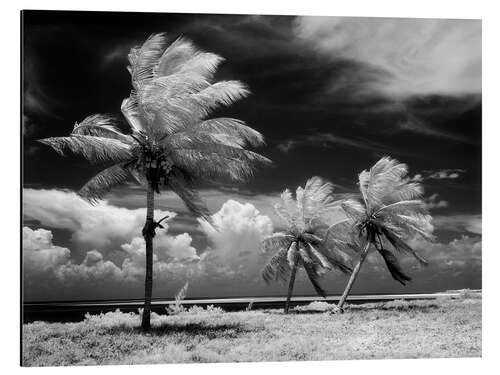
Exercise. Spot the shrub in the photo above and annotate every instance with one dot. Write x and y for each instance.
(177, 307)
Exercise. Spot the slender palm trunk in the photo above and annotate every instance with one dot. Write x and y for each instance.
(148, 233)
(290, 286)
(354, 274)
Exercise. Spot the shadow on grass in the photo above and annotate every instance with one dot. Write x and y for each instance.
(210, 331)
(427, 307)
(415, 308)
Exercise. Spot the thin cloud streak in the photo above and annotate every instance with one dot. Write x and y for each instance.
(420, 56)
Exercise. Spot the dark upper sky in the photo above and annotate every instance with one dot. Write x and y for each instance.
(331, 96)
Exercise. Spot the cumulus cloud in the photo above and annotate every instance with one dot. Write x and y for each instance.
(39, 253)
(235, 233)
(417, 56)
(45, 261)
(99, 225)
(459, 252)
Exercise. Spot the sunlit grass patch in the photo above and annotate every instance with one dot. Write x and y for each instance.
(397, 329)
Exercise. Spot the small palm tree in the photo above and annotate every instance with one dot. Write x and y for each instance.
(171, 142)
(391, 213)
(308, 240)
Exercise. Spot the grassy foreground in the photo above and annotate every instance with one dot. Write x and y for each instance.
(399, 329)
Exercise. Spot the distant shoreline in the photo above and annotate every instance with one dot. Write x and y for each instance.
(71, 311)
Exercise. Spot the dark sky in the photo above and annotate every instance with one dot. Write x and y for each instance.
(331, 96)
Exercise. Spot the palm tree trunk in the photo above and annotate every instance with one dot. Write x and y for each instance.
(148, 233)
(354, 274)
(290, 286)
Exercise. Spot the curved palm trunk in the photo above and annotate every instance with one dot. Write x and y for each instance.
(148, 233)
(290, 286)
(354, 274)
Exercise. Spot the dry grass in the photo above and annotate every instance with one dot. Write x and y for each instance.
(398, 329)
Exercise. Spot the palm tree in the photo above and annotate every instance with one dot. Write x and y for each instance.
(308, 240)
(171, 143)
(391, 213)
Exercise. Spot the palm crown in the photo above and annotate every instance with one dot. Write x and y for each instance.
(314, 237)
(391, 212)
(172, 141)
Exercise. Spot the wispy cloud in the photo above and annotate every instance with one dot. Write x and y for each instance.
(442, 174)
(330, 140)
(459, 223)
(433, 202)
(419, 56)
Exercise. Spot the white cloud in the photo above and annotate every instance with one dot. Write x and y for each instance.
(433, 202)
(235, 234)
(456, 253)
(420, 56)
(47, 262)
(39, 253)
(100, 225)
(234, 238)
(459, 223)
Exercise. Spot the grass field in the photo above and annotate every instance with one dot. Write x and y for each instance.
(420, 329)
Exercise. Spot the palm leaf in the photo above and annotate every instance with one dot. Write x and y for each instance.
(313, 276)
(277, 268)
(393, 266)
(94, 149)
(100, 126)
(180, 185)
(219, 94)
(143, 60)
(399, 245)
(276, 241)
(233, 127)
(100, 184)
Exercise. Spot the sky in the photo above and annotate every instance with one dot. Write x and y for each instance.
(331, 95)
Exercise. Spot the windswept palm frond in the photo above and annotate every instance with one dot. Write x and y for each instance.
(313, 274)
(340, 260)
(179, 183)
(193, 136)
(174, 57)
(393, 266)
(103, 182)
(380, 181)
(277, 240)
(415, 206)
(143, 60)
(406, 190)
(209, 149)
(317, 200)
(353, 209)
(94, 149)
(213, 166)
(219, 94)
(232, 127)
(100, 126)
(399, 245)
(199, 63)
(130, 110)
(277, 268)
(286, 209)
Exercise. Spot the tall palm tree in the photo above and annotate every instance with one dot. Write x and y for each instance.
(308, 240)
(390, 213)
(171, 143)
